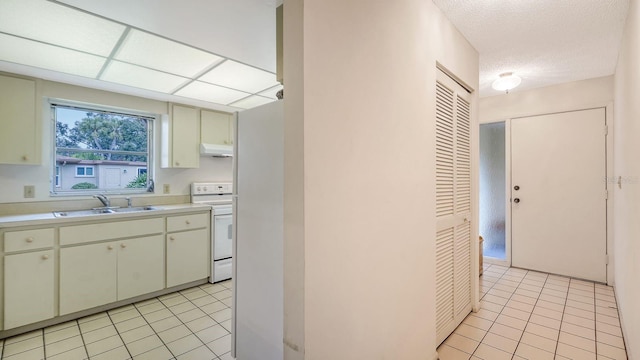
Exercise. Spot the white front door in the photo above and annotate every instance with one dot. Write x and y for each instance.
(558, 193)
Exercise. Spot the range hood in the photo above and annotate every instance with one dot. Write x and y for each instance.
(216, 150)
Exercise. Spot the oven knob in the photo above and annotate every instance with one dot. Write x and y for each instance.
(199, 189)
(205, 188)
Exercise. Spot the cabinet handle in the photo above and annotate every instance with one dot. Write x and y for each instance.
(177, 163)
(188, 222)
(110, 247)
(25, 158)
(45, 257)
(29, 239)
(226, 142)
(171, 238)
(123, 245)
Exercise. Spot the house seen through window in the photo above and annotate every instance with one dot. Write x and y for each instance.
(101, 151)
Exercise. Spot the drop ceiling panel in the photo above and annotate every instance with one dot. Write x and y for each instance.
(140, 77)
(212, 93)
(159, 53)
(49, 22)
(239, 76)
(271, 93)
(244, 30)
(32, 53)
(251, 101)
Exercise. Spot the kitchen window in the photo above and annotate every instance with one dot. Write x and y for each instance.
(98, 150)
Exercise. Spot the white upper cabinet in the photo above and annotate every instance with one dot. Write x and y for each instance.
(216, 127)
(20, 136)
(181, 138)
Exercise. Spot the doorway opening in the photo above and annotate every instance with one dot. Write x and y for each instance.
(493, 219)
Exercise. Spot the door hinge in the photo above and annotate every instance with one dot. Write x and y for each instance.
(606, 259)
(606, 194)
(606, 130)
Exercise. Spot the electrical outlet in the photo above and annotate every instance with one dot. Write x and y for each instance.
(29, 191)
(166, 188)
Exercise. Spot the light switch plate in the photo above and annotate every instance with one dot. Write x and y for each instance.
(29, 191)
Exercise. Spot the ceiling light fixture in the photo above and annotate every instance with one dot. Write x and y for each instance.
(506, 82)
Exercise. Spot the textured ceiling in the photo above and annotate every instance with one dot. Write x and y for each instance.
(545, 42)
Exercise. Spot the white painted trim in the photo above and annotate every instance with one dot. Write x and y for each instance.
(611, 183)
(507, 196)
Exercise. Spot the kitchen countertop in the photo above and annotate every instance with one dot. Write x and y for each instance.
(49, 219)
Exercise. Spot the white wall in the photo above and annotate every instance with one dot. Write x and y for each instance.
(365, 117)
(575, 95)
(14, 177)
(627, 165)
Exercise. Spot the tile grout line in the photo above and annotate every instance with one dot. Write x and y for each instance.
(44, 348)
(84, 344)
(154, 330)
(530, 314)
(120, 336)
(555, 353)
(500, 313)
(185, 325)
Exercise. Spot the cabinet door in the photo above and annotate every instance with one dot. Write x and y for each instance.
(20, 135)
(28, 288)
(216, 128)
(187, 256)
(87, 277)
(140, 266)
(185, 137)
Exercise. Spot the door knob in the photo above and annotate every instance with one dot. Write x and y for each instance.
(516, 200)
(516, 188)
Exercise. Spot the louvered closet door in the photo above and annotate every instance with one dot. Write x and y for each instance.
(453, 205)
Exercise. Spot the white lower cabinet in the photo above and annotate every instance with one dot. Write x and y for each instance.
(140, 266)
(98, 274)
(88, 276)
(64, 269)
(187, 256)
(29, 294)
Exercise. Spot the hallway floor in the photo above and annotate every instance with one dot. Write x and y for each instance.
(532, 315)
(193, 324)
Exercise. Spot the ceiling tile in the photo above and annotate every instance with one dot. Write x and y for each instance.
(137, 76)
(251, 102)
(239, 76)
(60, 25)
(159, 53)
(271, 93)
(33, 53)
(212, 93)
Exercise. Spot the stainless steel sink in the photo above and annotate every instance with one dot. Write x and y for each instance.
(103, 210)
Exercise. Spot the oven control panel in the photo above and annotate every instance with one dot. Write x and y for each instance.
(211, 188)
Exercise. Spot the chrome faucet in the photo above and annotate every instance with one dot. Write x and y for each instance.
(103, 199)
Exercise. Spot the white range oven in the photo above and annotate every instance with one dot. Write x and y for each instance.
(219, 196)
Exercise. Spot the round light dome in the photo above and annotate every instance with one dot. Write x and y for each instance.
(506, 82)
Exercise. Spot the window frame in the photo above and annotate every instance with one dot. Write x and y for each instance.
(56, 177)
(86, 167)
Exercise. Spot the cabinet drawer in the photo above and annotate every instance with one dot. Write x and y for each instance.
(28, 240)
(187, 222)
(78, 234)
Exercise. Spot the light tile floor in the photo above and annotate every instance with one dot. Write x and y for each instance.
(193, 324)
(532, 315)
